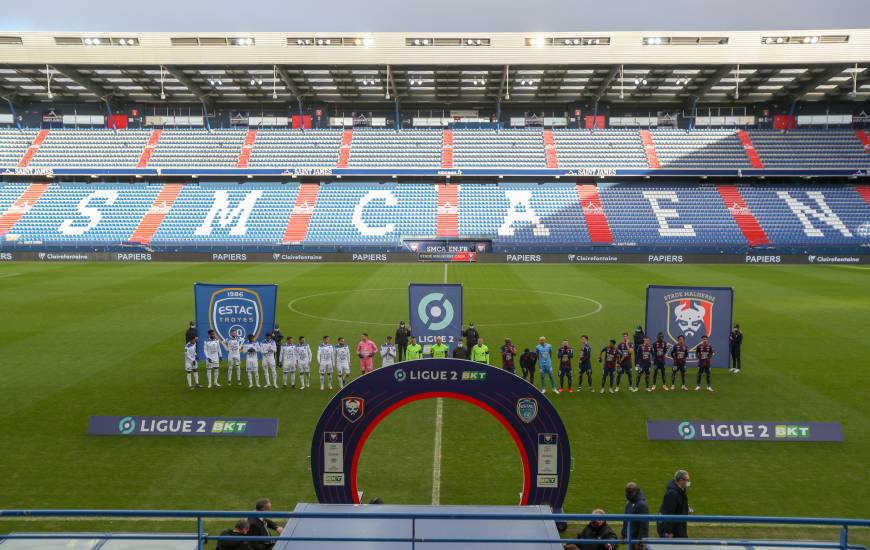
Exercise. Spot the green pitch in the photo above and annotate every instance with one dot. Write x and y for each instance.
(86, 339)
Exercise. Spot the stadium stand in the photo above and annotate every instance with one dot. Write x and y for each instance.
(517, 215)
(91, 148)
(367, 148)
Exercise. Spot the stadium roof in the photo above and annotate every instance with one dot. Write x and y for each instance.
(263, 68)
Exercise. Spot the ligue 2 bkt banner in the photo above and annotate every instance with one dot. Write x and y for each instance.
(247, 309)
(435, 310)
(691, 312)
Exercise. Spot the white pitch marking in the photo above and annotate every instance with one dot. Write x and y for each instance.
(4, 275)
(436, 454)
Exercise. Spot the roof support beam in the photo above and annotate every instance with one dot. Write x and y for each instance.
(85, 82)
(806, 86)
(605, 84)
(189, 83)
(289, 84)
(844, 89)
(705, 87)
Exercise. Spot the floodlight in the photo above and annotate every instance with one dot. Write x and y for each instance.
(540, 41)
(96, 40)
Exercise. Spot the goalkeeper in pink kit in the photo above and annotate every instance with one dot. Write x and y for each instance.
(366, 350)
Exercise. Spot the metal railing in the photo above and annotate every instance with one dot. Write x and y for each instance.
(201, 536)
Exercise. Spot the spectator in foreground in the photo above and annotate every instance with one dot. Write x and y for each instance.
(259, 527)
(635, 503)
(240, 530)
(595, 530)
(675, 503)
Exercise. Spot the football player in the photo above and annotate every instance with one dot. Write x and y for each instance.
(287, 357)
(212, 350)
(325, 361)
(388, 352)
(660, 355)
(625, 349)
(234, 358)
(190, 364)
(644, 360)
(704, 352)
(585, 363)
(679, 353)
(303, 363)
(252, 366)
(611, 356)
(342, 361)
(268, 349)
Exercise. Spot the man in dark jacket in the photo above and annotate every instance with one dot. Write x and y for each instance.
(635, 503)
(735, 341)
(675, 503)
(402, 336)
(241, 529)
(595, 530)
(260, 526)
(277, 336)
(460, 352)
(190, 332)
(527, 363)
(471, 336)
(639, 335)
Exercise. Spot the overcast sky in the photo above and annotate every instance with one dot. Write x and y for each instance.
(430, 15)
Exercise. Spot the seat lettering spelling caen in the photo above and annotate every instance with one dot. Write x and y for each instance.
(94, 215)
(225, 216)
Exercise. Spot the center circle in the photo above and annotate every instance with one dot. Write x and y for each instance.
(472, 295)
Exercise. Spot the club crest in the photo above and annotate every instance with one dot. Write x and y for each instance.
(527, 409)
(352, 408)
(236, 309)
(690, 317)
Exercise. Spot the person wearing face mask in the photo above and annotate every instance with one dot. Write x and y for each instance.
(635, 504)
(595, 530)
(675, 503)
(461, 352)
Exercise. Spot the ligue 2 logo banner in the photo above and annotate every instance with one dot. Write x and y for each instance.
(435, 310)
(247, 309)
(691, 312)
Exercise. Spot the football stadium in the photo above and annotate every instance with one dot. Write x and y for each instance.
(435, 286)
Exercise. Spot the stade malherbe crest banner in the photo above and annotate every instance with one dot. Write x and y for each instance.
(691, 312)
(247, 309)
(435, 310)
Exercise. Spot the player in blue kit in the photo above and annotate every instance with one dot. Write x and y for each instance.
(624, 348)
(660, 355)
(545, 362)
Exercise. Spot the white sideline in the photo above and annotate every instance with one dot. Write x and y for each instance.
(436, 454)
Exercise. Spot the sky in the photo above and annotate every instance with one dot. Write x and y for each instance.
(430, 15)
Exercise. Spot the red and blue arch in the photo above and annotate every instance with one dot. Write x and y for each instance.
(527, 415)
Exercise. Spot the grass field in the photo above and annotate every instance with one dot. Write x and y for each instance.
(87, 339)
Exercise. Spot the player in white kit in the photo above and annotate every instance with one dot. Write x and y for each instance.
(388, 352)
(268, 349)
(326, 361)
(303, 363)
(212, 349)
(342, 361)
(287, 357)
(234, 356)
(190, 364)
(252, 363)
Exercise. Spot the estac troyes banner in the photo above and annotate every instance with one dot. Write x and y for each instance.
(435, 310)
(183, 426)
(712, 430)
(247, 309)
(691, 312)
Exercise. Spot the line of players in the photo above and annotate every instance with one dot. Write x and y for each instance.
(294, 358)
(297, 357)
(617, 361)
